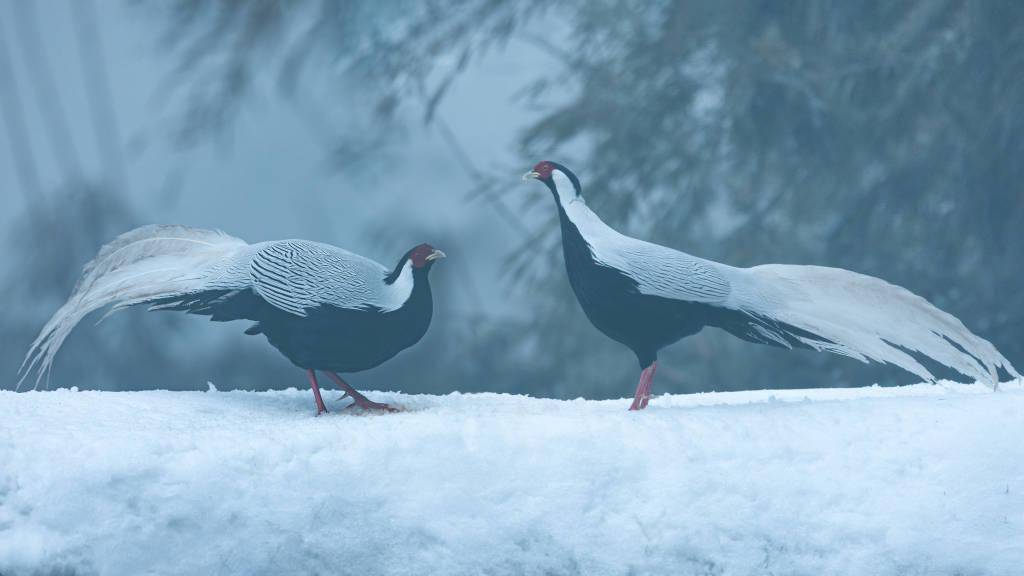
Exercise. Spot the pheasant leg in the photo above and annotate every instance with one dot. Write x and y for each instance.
(358, 399)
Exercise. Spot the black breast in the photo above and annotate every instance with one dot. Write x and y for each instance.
(344, 340)
(328, 337)
(614, 304)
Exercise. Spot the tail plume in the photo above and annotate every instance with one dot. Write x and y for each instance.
(145, 264)
(863, 317)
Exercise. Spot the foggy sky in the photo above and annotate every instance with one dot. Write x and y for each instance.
(270, 177)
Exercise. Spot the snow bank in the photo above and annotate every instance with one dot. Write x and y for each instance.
(914, 480)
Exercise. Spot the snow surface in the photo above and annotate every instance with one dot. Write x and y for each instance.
(914, 480)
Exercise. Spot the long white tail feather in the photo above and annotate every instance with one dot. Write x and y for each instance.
(144, 264)
(864, 318)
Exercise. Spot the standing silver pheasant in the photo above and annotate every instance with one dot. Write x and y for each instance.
(648, 296)
(324, 308)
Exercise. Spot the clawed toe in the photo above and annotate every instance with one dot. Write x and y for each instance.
(370, 405)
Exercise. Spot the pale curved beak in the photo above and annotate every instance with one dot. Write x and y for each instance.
(531, 175)
(436, 255)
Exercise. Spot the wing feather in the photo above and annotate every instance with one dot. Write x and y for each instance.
(298, 276)
(661, 271)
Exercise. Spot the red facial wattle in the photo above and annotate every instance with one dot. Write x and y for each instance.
(424, 254)
(544, 169)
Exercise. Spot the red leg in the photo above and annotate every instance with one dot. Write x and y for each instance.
(650, 385)
(643, 388)
(320, 408)
(639, 391)
(358, 399)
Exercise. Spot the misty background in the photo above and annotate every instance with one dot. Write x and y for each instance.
(885, 139)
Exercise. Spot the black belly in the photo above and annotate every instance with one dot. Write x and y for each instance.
(327, 338)
(343, 340)
(644, 323)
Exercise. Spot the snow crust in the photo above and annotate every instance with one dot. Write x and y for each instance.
(915, 480)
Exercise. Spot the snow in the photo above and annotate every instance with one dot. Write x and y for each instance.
(914, 480)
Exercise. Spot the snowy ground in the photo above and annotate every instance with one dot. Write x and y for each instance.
(914, 480)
